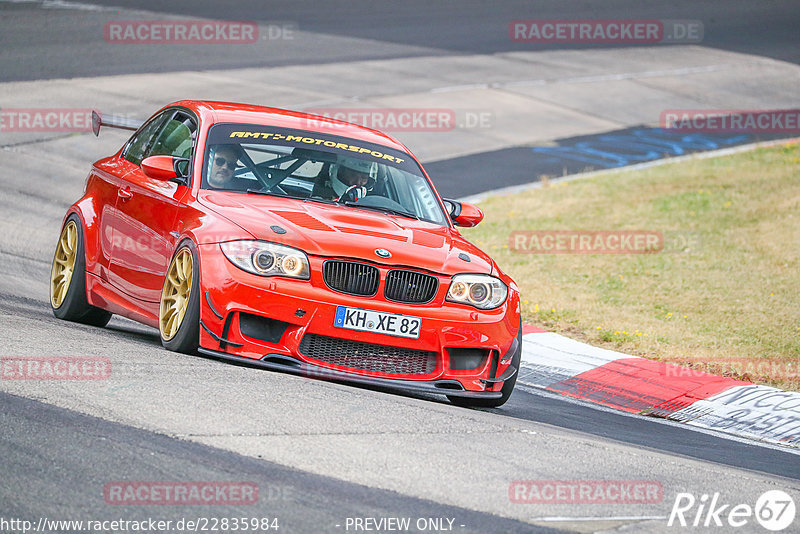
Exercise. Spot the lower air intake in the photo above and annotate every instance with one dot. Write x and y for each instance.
(368, 356)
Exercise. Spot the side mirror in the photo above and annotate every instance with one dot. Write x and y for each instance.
(463, 213)
(164, 168)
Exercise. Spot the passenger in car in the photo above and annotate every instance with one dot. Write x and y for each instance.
(224, 160)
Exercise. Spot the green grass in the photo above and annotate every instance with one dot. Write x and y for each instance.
(725, 287)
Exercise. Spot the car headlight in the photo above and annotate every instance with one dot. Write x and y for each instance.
(479, 290)
(267, 259)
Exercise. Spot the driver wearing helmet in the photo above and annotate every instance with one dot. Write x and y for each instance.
(348, 179)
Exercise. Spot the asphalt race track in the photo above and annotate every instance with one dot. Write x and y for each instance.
(413, 28)
(323, 454)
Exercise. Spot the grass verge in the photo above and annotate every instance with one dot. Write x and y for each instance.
(722, 296)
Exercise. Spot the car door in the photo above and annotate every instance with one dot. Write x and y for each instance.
(146, 209)
(102, 184)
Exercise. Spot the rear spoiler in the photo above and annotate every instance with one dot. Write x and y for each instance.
(114, 121)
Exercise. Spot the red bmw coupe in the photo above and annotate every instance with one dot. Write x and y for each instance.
(293, 242)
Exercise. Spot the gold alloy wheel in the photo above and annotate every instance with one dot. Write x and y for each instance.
(175, 295)
(63, 264)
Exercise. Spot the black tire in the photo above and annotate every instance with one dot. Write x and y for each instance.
(74, 306)
(506, 390)
(186, 339)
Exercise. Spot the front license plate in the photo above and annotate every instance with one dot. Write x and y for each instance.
(373, 321)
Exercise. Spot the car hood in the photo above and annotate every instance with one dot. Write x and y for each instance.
(349, 232)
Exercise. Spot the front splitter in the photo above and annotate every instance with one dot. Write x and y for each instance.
(287, 364)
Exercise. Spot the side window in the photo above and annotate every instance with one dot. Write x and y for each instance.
(141, 141)
(176, 137)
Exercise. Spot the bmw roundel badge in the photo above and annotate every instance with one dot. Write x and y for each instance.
(383, 253)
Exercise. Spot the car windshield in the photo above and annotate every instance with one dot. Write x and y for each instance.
(300, 164)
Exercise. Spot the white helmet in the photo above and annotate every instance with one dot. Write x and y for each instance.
(359, 165)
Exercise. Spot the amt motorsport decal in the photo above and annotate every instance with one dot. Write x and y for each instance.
(315, 141)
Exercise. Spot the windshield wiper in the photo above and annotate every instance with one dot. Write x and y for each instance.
(272, 194)
(281, 195)
(262, 192)
(320, 200)
(389, 211)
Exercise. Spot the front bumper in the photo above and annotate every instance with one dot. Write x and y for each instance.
(292, 309)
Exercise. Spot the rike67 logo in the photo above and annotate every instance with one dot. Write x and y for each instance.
(774, 510)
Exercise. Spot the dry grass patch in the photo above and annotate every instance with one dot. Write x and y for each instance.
(725, 288)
